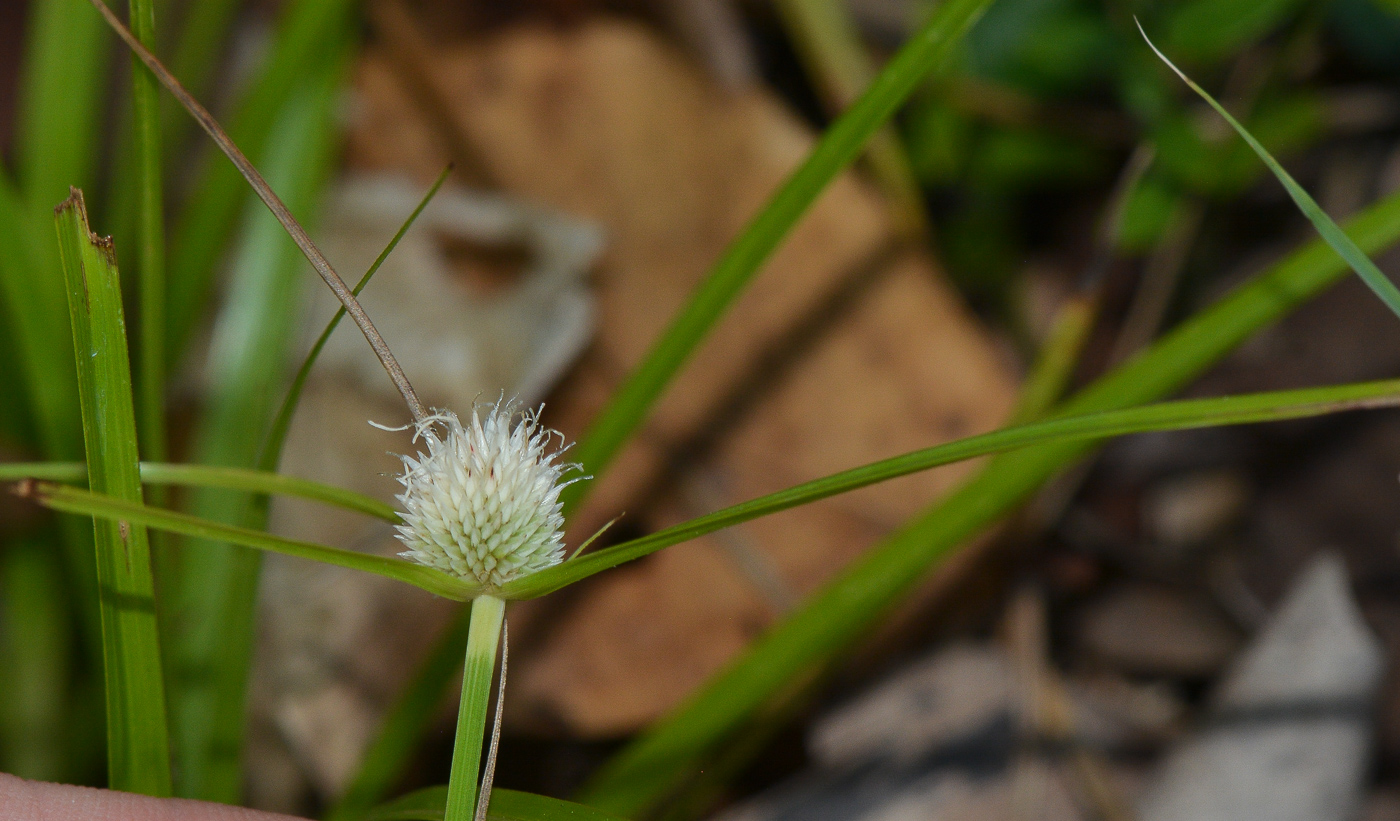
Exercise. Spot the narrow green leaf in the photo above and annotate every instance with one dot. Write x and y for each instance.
(146, 129)
(1180, 415)
(645, 771)
(110, 508)
(61, 100)
(506, 805)
(271, 455)
(213, 589)
(203, 39)
(833, 54)
(841, 143)
(403, 725)
(1334, 235)
(63, 77)
(38, 317)
(1058, 358)
(138, 752)
(36, 642)
(253, 481)
(308, 33)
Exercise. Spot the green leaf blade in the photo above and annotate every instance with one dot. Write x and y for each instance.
(430, 804)
(308, 32)
(138, 751)
(841, 144)
(644, 772)
(1325, 226)
(253, 481)
(87, 503)
(215, 586)
(146, 127)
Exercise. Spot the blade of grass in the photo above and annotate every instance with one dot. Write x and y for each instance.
(841, 143)
(214, 586)
(430, 804)
(1058, 358)
(37, 308)
(38, 317)
(649, 768)
(407, 719)
(36, 642)
(151, 234)
(832, 53)
(60, 101)
(1179, 415)
(203, 39)
(62, 79)
(109, 508)
(277, 208)
(138, 751)
(271, 455)
(255, 481)
(307, 32)
(1329, 230)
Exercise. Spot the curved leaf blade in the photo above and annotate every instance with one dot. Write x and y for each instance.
(430, 804)
(838, 147)
(1179, 415)
(86, 503)
(186, 475)
(1326, 227)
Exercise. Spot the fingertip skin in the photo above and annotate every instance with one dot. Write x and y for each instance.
(22, 800)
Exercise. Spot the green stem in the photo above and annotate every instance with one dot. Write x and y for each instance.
(151, 243)
(488, 613)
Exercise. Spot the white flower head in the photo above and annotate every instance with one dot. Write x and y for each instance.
(483, 502)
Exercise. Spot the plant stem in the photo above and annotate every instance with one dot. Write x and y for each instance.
(488, 613)
(151, 242)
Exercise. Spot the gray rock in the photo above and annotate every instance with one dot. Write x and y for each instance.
(1287, 734)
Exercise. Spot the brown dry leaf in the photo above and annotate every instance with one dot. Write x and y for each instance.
(609, 123)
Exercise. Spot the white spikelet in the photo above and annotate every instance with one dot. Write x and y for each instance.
(483, 502)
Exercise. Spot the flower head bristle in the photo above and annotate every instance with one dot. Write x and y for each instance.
(483, 502)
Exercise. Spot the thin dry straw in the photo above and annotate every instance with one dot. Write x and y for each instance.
(274, 204)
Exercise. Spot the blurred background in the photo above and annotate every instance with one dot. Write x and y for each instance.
(1184, 612)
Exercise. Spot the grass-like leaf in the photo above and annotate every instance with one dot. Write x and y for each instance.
(109, 508)
(403, 725)
(61, 101)
(308, 31)
(1330, 231)
(214, 590)
(38, 318)
(663, 757)
(36, 678)
(146, 127)
(839, 145)
(829, 43)
(271, 454)
(138, 751)
(253, 481)
(1180, 415)
(430, 804)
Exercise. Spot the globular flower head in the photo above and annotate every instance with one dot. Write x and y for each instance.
(483, 502)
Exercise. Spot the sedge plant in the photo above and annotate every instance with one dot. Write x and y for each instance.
(483, 503)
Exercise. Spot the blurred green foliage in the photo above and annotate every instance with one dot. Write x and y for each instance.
(1051, 96)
